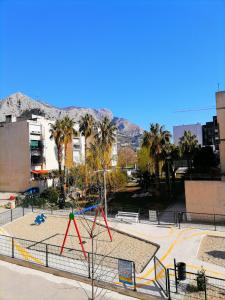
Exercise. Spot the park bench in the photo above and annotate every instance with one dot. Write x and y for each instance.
(127, 216)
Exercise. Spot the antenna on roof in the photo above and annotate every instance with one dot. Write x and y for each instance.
(218, 86)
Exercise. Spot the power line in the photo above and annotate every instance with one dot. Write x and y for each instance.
(192, 110)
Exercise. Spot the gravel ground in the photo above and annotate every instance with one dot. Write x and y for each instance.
(53, 230)
(212, 250)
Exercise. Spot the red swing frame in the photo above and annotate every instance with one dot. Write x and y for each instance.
(72, 218)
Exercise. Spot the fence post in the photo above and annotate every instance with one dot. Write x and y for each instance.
(155, 266)
(179, 218)
(175, 273)
(134, 271)
(157, 213)
(23, 211)
(205, 287)
(215, 222)
(12, 247)
(11, 214)
(168, 283)
(46, 251)
(89, 266)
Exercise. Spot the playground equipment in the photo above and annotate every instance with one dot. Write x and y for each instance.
(40, 219)
(98, 209)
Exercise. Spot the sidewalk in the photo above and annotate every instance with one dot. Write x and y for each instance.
(21, 283)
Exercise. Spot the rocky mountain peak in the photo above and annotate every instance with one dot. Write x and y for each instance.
(18, 103)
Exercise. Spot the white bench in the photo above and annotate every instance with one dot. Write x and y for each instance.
(127, 216)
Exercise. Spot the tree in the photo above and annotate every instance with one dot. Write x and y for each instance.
(145, 162)
(127, 157)
(171, 153)
(68, 133)
(205, 159)
(86, 127)
(56, 133)
(188, 144)
(156, 139)
(104, 138)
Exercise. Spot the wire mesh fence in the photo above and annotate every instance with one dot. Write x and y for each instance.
(100, 267)
(13, 214)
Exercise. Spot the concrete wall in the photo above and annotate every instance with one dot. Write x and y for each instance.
(14, 157)
(205, 196)
(220, 109)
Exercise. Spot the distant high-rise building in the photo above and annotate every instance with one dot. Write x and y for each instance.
(210, 134)
(178, 132)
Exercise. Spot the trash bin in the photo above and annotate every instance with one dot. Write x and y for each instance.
(181, 271)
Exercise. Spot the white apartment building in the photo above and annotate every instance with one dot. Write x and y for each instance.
(26, 149)
(43, 149)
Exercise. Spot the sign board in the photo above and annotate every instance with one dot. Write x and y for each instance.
(125, 271)
(152, 216)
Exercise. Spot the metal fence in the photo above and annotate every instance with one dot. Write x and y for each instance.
(161, 275)
(100, 267)
(195, 287)
(177, 218)
(13, 214)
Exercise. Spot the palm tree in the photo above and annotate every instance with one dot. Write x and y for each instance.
(156, 139)
(56, 133)
(105, 137)
(68, 133)
(86, 127)
(171, 153)
(188, 144)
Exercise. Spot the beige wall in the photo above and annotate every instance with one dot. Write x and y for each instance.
(14, 157)
(205, 196)
(220, 110)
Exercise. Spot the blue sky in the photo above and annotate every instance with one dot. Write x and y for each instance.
(144, 60)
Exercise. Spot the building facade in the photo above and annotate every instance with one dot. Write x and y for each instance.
(178, 132)
(210, 134)
(220, 110)
(26, 149)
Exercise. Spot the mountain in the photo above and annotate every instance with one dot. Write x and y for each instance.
(19, 104)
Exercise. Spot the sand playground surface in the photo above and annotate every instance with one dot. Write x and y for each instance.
(212, 250)
(52, 232)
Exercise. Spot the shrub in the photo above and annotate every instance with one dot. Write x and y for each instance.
(51, 195)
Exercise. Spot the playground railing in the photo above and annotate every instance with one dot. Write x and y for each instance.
(13, 214)
(105, 268)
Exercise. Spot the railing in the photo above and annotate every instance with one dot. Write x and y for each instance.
(104, 268)
(177, 218)
(196, 287)
(13, 214)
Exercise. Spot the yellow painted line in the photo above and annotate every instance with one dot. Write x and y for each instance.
(27, 255)
(169, 250)
(207, 270)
